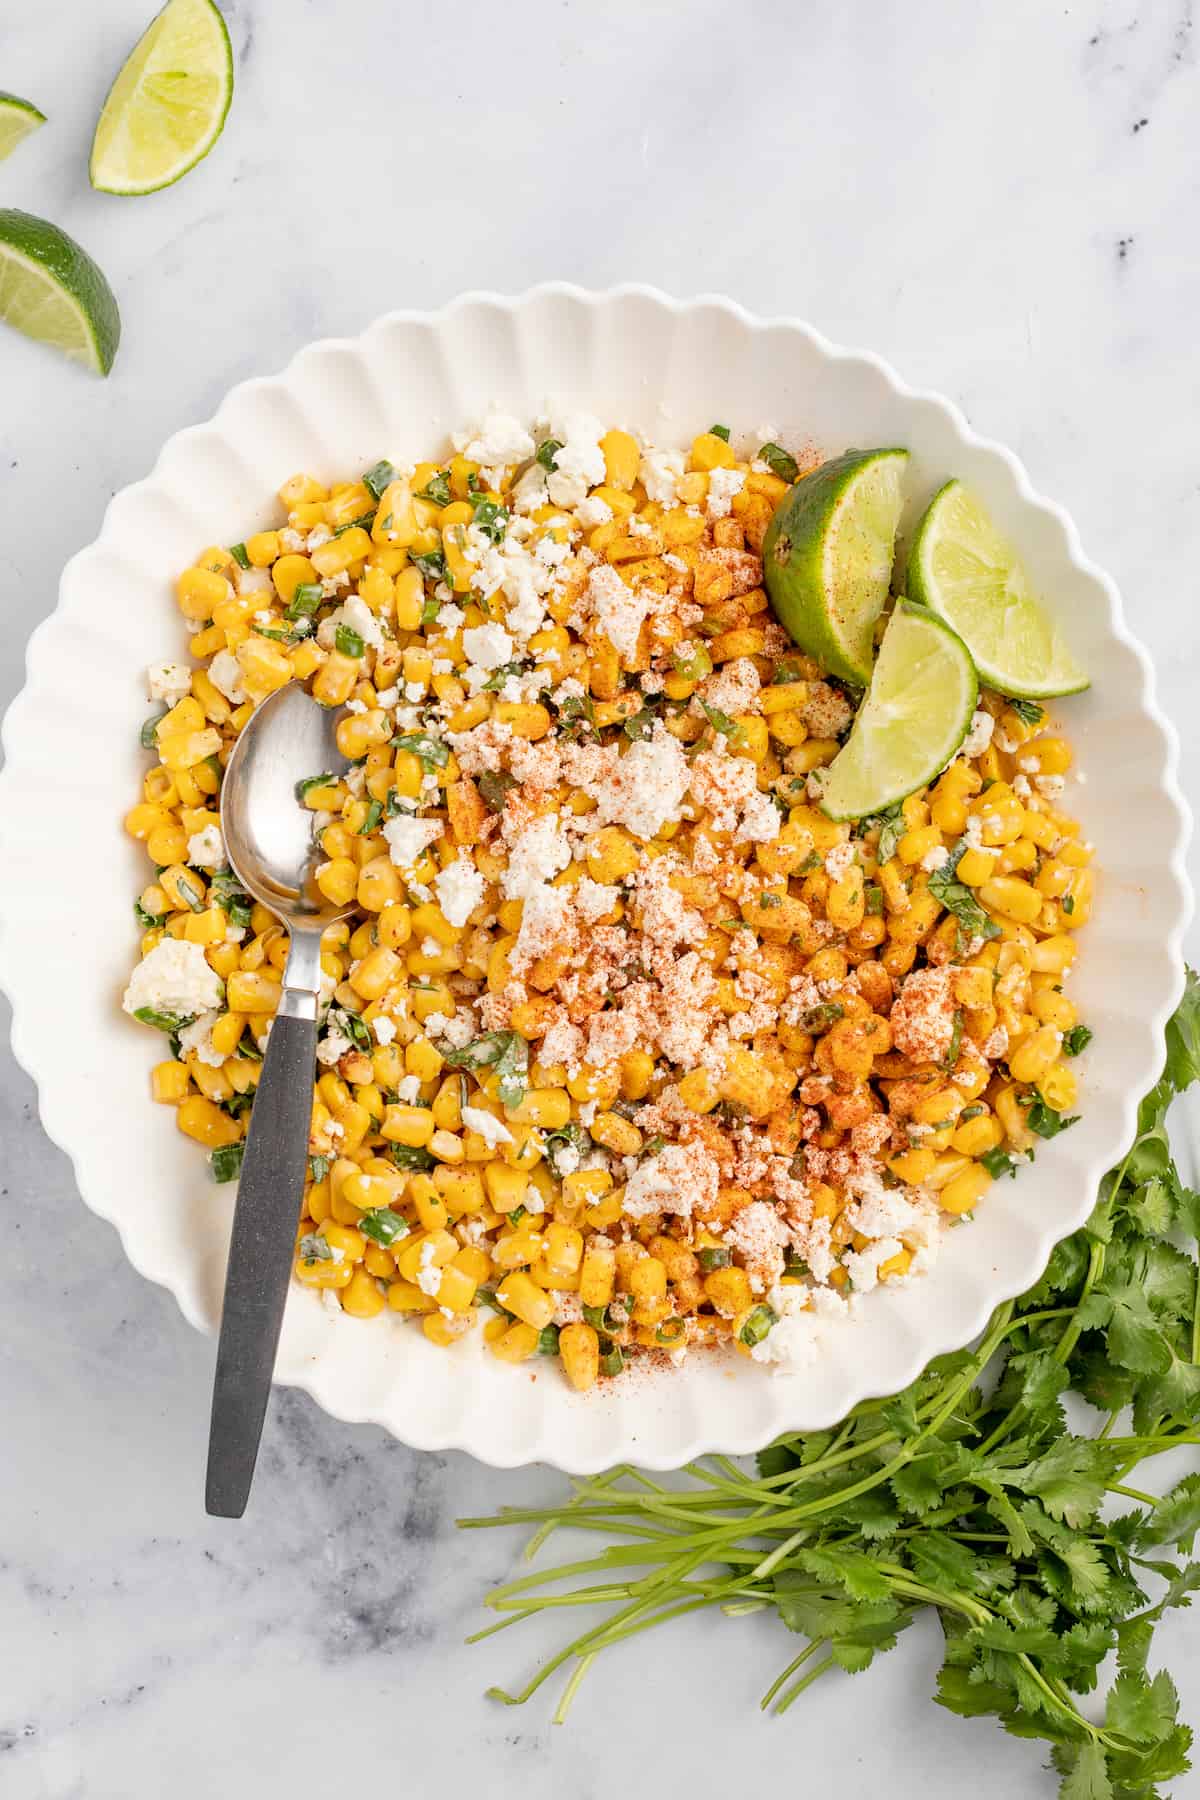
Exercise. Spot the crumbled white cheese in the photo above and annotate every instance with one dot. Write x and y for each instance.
(538, 854)
(429, 1278)
(168, 681)
(196, 1038)
(660, 473)
(409, 838)
(335, 1044)
(492, 1130)
(225, 673)
(592, 511)
(459, 888)
(579, 464)
(934, 859)
(487, 646)
(206, 849)
(723, 484)
(979, 736)
(175, 978)
(384, 1029)
(355, 613)
(502, 441)
(619, 609)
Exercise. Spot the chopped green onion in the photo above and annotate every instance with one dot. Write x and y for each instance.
(190, 892)
(318, 1167)
(671, 1332)
(238, 553)
(374, 814)
(306, 598)
(516, 1215)
(429, 751)
(721, 722)
(757, 1323)
(693, 664)
(612, 1362)
(432, 564)
(436, 489)
(547, 1344)
(408, 1156)
(491, 519)
(998, 1162)
(151, 921)
(313, 781)
(348, 642)
(715, 1256)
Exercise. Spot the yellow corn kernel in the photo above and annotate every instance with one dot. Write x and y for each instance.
(699, 1091)
(320, 1272)
(710, 452)
(915, 846)
(520, 1295)
(432, 1249)
(579, 1348)
(515, 1343)
(1059, 1087)
(198, 591)
(597, 1272)
(338, 880)
(377, 972)
(527, 719)
(198, 1118)
(411, 1125)
(361, 1297)
(549, 1108)
(729, 1291)
(616, 1133)
(1012, 899)
(169, 1083)
(977, 1136)
(1054, 955)
(913, 1166)
(407, 1297)
(1034, 1055)
(965, 1190)
(611, 855)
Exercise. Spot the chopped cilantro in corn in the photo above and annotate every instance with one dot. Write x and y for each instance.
(626, 1042)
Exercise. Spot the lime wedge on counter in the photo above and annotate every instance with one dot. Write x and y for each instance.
(827, 557)
(51, 290)
(966, 572)
(166, 108)
(916, 713)
(17, 119)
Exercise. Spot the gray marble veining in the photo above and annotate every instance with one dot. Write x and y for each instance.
(1002, 201)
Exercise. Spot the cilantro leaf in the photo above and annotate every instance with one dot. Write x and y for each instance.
(959, 899)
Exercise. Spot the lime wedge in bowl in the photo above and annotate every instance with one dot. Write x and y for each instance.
(51, 290)
(965, 571)
(17, 119)
(827, 557)
(165, 110)
(916, 713)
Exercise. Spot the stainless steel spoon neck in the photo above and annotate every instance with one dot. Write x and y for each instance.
(302, 974)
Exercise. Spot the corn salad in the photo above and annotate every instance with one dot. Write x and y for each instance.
(625, 1041)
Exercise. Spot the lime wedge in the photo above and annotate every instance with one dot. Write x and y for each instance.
(52, 291)
(17, 119)
(827, 557)
(961, 567)
(166, 108)
(917, 712)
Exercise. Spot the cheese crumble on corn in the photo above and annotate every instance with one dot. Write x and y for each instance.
(624, 1040)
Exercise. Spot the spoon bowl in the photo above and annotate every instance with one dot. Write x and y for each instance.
(271, 845)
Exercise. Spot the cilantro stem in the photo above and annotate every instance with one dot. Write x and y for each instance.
(1070, 1336)
(797, 1662)
(805, 1681)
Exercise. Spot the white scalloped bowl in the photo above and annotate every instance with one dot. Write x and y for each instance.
(635, 357)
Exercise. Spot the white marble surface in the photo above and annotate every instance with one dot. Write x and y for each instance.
(1002, 201)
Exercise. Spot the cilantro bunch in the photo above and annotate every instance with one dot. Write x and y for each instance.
(971, 1493)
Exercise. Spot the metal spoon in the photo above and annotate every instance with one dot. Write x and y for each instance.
(269, 840)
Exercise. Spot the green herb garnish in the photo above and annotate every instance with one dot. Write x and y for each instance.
(779, 462)
(147, 920)
(379, 476)
(998, 1162)
(408, 1156)
(492, 520)
(891, 827)
(873, 897)
(968, 1494)
(1043, 1119)
(1075, 1040)
(721, 431)
(494, 786)
(1028, 711)
(306, 599)
(958, 898)
(429, 751)
(318, 1168)
(313, 1248)
(571, 1136)
(547, 1344)
(313, 781)
(171, 1023)
(714, 1256)
(436, 489)
(373, 816)
(757, 1323)
(547, 453)
(693, 664)
(383, 1225)
(721, 722)
(506, 1052)
(347, 641)
(238, 553)
(226, 1163)
(148, 735)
